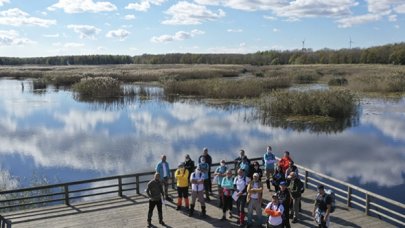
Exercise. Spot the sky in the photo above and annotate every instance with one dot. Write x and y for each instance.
(31, 28)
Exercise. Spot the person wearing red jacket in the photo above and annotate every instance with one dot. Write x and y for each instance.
(285, 161)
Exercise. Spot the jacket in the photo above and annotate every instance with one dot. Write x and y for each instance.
(284, 163)
(251, 191)
(269, 160)
(182, 177)
(154, 190)
(159, 169)
(295, 188)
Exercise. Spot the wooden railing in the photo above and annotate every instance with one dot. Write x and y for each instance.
(65, 193)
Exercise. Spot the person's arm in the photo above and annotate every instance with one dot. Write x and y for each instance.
(313, 210)
(148, 190)
(328, 208)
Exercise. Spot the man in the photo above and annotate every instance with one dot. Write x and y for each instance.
(245, 166)
(269, 161)
(275, 212)
(240, 186)
(285, 161)
(164, 171)
(291, 168)
(197, 190)
(322, 208)
(239, 159)
(208, 160)
(155, 192)
(220, 173)
(285, 199)
(254, 199)
(189, 165)
(182, 186)
(295, 189)
(205, 170)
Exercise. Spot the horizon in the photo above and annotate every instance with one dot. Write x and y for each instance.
(136, 27)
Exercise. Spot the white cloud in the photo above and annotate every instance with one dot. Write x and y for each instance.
(185, 13)
(400, 8)
(144, 5)
(180, 35)
(80, 6)
(129, 17)
(4, 1)
(12, 37)
(234, 30)
(356, 20)
(56, 35)
(271, 18)
(85, 31)
(392, 18)
(17, 17)
(385, 6)
(119, 33)
(73, 45)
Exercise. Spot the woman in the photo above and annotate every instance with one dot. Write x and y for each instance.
(182, 185)
(227, 185)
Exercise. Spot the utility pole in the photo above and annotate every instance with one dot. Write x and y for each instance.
(303, 45)
(350, 43)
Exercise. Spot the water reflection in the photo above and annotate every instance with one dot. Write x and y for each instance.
(57, 135)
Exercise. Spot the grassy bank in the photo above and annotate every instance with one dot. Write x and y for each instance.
(332, 103)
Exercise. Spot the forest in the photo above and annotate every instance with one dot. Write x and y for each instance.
(385, 54)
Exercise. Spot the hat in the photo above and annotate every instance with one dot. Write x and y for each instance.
(275, 195)
(283, 183)
(255, 175)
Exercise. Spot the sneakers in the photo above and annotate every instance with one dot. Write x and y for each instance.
(178, 208)
(162, 223)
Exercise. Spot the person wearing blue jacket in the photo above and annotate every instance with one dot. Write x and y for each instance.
(164, 171)
(269, 161)
(205, 169)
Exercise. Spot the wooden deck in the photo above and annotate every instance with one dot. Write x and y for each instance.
(131, 211)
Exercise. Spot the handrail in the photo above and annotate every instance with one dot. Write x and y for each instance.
(70, 191)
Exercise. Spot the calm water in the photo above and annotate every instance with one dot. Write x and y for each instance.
(48, 134)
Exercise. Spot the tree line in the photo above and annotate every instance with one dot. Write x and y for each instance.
(386, 54)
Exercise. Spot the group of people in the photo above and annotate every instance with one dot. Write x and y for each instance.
(245, 188)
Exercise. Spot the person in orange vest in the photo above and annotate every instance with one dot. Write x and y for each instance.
(182, 185)
(275, 211)
(285, 161)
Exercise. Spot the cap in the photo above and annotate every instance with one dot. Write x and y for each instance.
(283, 183)
(256, 175)
(275, 195)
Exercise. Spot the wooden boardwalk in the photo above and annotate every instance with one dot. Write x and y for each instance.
(131, 211)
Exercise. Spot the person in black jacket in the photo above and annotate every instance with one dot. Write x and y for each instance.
(284, 197)
(208, 160)
(189, 165)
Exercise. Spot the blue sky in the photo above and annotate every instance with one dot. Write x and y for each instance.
(134, 27)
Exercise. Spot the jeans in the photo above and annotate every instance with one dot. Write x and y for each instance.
(152, 205)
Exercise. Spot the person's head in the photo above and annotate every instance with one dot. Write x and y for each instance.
(181, 165)
(256, 165)
(321, 189)
(240, 172)
(157, 176)
(187, 158)
(202, 160)
(205, 151)
(198, 170)
(229, 173)
(274, 198)
(286, 154)
(292, 176)
(222, 163)
(163, 157)
(256, 177)
(283, 185)
(242, 153)
(269, 149)
(291, 164)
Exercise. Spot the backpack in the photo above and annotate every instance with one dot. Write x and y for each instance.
(331, 194)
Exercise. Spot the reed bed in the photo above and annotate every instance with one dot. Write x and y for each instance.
(330, 103)
(98, 87)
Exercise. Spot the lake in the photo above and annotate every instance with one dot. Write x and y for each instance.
(49, 136)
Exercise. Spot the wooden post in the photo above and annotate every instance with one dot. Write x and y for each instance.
(367, 204)
(173, 180)
(120, 186)
(137, 184)
(349, 196)
(306, 179)
(66, 188)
